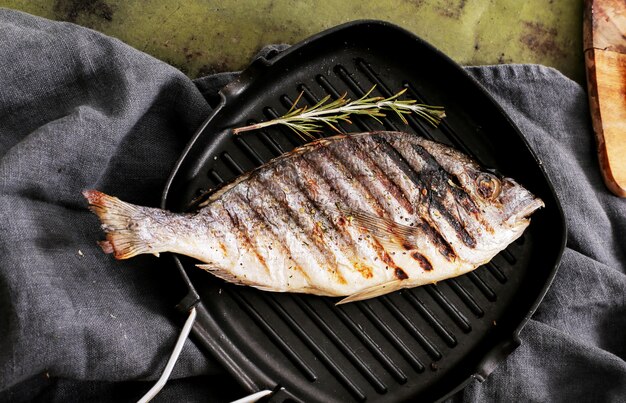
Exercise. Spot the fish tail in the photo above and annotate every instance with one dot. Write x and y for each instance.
(124, 224)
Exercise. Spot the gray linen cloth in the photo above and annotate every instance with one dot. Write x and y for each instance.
(81, 110)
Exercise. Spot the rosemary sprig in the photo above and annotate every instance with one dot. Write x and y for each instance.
(305, 121)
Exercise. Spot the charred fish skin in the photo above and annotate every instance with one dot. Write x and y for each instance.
(355, 215)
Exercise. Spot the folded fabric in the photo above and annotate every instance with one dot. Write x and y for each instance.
(574, 347)
(81, 110)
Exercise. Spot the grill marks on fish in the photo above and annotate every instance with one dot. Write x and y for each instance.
(341, 183)
(326, 191)
(389, 160)
(299, 216)
(331, 175)
(429, 180)
(359, 215)
(423, 261)
(438, 240)
(352, 191)
(400, 274)
(432, 165)
(365, 169)
(450, 183)
(344, 170)
(400, 196)
(358, 175)
(385, 257)
(364, 182)
(275, 241)
(287, 232)
(308, 191)
(318, 193)
(242, 227)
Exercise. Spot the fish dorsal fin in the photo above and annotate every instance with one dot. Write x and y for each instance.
(322, 142)
(380, 227)
(221, 191)
(374, 291)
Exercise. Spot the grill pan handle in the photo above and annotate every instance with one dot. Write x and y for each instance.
(264, 59)
(495, 357)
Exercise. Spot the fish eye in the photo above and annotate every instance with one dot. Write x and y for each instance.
(488, 186)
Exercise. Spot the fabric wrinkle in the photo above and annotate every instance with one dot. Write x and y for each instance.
(80, 110)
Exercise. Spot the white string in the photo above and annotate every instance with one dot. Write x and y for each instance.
(170, 364)
(253, 397)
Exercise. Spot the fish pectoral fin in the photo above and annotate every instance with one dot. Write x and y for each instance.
(221, 273)
(374, 291)
(380, 227)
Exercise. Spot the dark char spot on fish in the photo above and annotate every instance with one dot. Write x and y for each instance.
(422, 260)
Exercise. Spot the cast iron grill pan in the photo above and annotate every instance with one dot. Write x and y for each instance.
(423, 343)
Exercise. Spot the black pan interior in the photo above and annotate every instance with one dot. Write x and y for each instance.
(423, 343)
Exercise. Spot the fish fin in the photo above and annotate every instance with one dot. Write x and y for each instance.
(374, 291)
(119, 220)
(222, 273)
(286, 156)
(382, 228)
(219, 192)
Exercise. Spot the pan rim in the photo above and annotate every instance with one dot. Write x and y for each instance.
(507, 343)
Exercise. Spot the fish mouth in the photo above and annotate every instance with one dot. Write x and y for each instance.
(521, 215)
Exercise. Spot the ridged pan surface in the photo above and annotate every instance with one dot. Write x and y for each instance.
(423, 343)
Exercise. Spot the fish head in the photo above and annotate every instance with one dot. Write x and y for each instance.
(511, 202)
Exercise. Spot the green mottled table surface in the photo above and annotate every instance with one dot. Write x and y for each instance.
(205, 36)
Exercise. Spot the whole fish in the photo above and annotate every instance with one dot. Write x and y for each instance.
(357, 215)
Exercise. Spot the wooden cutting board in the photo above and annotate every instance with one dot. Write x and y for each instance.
(604, 41)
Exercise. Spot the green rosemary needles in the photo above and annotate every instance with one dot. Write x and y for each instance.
(307, 122)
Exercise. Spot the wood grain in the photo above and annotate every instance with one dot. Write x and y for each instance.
(605, 59)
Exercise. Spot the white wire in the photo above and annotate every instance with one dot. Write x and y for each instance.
(170, 364)
(253, 397)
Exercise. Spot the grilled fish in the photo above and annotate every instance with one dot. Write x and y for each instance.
(357, 215)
